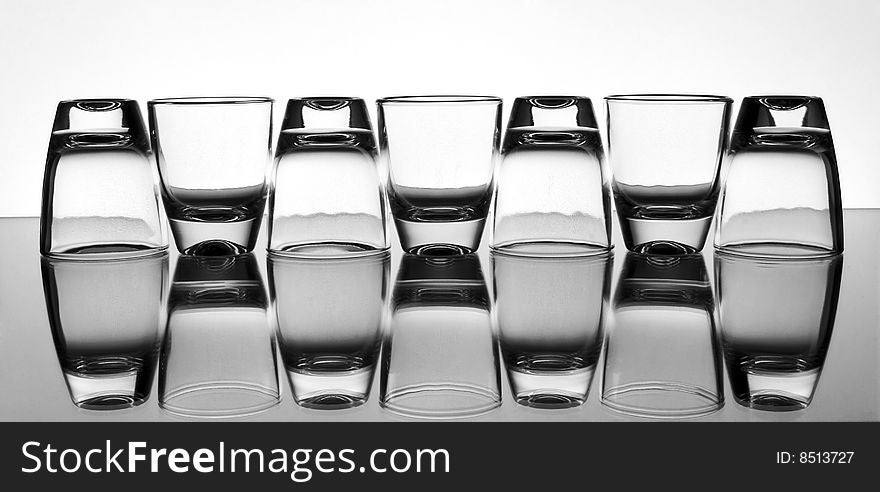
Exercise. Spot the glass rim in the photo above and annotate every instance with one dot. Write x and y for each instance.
(325, 98)
(438, 99)
(783, 96)
(98, 99)
(208, 100)
(669, 98)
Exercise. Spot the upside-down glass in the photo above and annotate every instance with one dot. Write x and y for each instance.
(550, 315)
(218, 358)
(776, 317)
(662, 358)
(99, 189)
(440, 357)
(440, 152)
(213, 155)
(552, 196)
(106, 319)
(327, 199)
(781, 195)
(665, 151)
(329, 315)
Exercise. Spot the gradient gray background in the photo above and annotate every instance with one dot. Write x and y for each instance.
(54, 50)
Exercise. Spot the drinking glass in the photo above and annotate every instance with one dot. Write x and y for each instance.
(329, 315)
(776, 317)
(213, 155)
(440, 152)
(218, 359)
(440, 359)
(550, 315)
(99, 188)
(665, 151)
(552, 196)
(107, 325)
(327, 198)
(781, 195)
(661, 356)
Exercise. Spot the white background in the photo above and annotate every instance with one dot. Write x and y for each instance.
(54, 50)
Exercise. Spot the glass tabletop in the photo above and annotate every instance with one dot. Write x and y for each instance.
(641, 321)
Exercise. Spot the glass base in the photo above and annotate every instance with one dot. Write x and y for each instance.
(665, 236)
(661, 399)
(328, 250)
(440, 238)
(331, 390)
(551, 389)
(550, 248)
(441, 401)
(776, 250)
(215, 238)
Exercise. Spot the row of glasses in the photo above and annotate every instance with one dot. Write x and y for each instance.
(114, 322)
(781, 193)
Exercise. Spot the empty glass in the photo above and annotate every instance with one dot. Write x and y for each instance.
(550, 314)
(661, 356)
(440, 152)
(440, 359)
(213, 155)
(329, 315)
(665, 151)
(327, 198)
(781, 194)
(552, 195)
(106, 320)
(99, 190)
(218, 359)
(776, 317)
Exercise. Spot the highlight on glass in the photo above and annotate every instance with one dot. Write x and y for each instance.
(213, 155)
(327, 198)
(552, 193)
(440, 152)
(781, 195)
(99, 188)
(666, 151)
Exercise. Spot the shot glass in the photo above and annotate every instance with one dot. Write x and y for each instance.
(218, 358)
(107, 323)
(781, 195)
(99, 188)
(665, 152)
(327, 198)
(552, 196)
(329, 315)
(661, 357)
(440, 152)
(776, 317)
(550, 315)
(213, 156)
(440, 357)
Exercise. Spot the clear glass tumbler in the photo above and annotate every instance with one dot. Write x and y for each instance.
(550, 316)
(781, 195)
(665, 152)
(218, 358)
(662, 358)
(99, 189)
(213, 155)
(330, 315)
(107, 321)
(327, 199)
(776, 317)
(440, 152)
(552, 194)
(440, 356)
